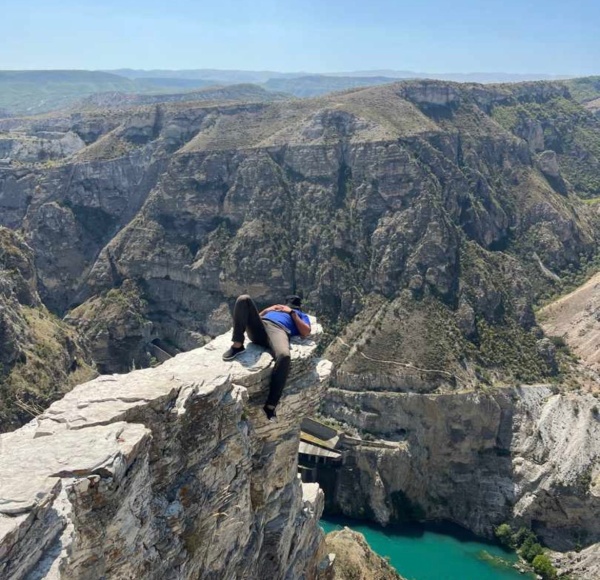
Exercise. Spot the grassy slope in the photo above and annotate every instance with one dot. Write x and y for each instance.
(584, 89)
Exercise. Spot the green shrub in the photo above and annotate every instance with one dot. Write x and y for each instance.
(505, 535)
(543, 566)
(530, 550)
(523, 535)
(558, 341)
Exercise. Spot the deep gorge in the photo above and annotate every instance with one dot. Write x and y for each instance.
(422, 221)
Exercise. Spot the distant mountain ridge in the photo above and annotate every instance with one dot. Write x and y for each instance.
(215, 75)
(239, 76)
(245, 92)
(315, 85)
(34, 92)
(37, 92)
(472, 77)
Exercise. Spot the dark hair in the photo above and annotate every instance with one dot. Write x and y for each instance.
(293, 301)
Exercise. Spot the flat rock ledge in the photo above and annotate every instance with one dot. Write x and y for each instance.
(169, 472)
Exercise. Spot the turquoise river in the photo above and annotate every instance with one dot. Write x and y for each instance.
(435, 553)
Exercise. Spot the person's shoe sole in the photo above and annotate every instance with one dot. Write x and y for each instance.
(233, 355)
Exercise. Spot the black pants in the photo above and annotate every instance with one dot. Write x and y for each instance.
(264, 333)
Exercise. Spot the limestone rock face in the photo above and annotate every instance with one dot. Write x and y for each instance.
(516, 454)
(47, 146)
(97, 199)
(579, 564)
(355, 559)
(171, 472)
(548, 162)
(424, 93)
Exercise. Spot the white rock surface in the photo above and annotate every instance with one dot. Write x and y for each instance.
(171, 472)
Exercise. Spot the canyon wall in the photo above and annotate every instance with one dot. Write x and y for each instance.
(457, 202)
(41, 357)
(526, 455)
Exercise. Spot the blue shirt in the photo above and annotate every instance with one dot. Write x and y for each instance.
(284, 319)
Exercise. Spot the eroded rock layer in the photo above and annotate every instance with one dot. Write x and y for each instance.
(171, 472)
(523, 455)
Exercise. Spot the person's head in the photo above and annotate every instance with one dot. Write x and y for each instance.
(293, 301)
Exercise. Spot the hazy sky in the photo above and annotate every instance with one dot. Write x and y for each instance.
(518, 36)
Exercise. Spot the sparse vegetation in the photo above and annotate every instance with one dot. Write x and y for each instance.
(50, 363)
(528, 547)
(511, 349)
(543, 566)
(568, 129)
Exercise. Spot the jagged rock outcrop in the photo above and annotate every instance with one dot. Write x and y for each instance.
(478, 459)
(171, 472)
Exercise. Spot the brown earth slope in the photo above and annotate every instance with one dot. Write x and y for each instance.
(576, 319)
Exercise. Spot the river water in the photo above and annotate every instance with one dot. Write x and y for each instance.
(435, 552)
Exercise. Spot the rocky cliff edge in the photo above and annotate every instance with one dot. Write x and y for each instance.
(169, 472)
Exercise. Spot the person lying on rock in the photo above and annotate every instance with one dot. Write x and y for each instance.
(271, 328)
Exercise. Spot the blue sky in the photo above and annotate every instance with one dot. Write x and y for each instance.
(437, 36)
